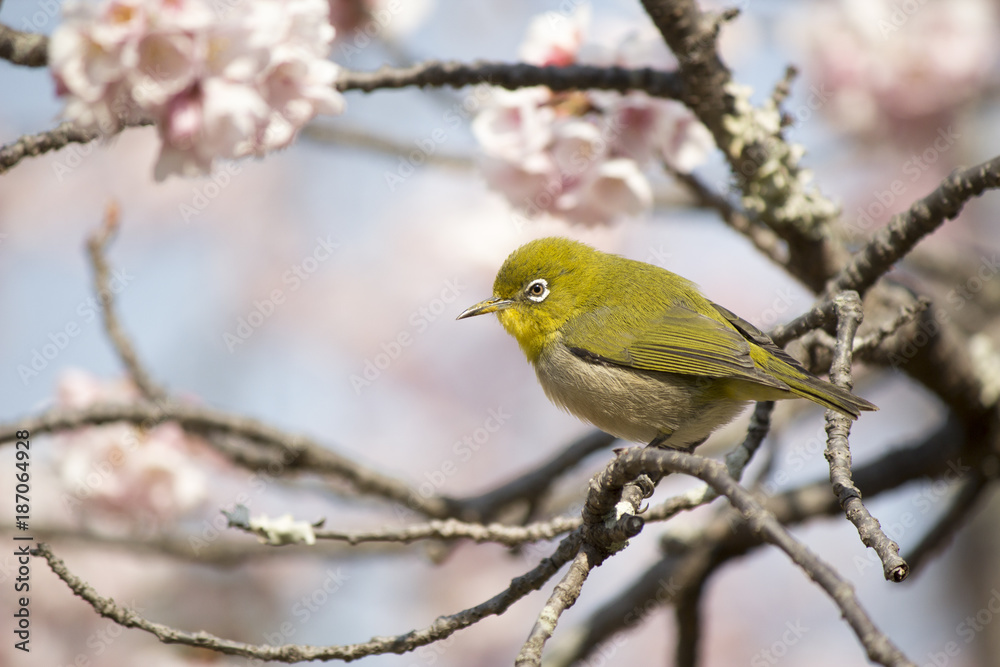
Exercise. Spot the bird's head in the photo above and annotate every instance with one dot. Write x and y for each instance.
(541, 286)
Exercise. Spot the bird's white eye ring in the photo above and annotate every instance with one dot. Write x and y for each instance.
(537, 290)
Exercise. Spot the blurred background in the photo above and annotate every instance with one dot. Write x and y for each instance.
(361, 259)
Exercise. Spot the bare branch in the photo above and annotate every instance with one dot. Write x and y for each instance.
(721, 540)
(905, 230)
(774, 187)
(196, 549)
(635, 461)
(449, 529)
(96, 245)
(514, 75)
(562, 598)
(295, 453)
(736, 462)
(330, 133)
(603, 535)
(534, 484)
(687, 612)
(906, 314)
(441, 628)
(23, 48)
(838, 452)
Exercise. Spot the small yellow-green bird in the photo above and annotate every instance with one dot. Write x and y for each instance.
(636, 350)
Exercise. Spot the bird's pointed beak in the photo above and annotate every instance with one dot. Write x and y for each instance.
(491, 305)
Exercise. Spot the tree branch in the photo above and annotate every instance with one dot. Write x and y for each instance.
(441, 628)
(23, 48)
(533, 485)
(838, 452)
(294, 453)
(774, 188)
(650, 460)
(448, 529)
(892, 242)
(562, 598)
(97, 245)
(435, 73)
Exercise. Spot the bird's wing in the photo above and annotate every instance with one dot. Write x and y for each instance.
(680, 340)
(758, 337)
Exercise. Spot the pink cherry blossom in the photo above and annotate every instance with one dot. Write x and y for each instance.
(218, 84)
(554, 38)
(883, 65)
(580, 155)
(124, 472)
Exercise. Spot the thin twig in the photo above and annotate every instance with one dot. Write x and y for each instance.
(441, 628)
(290, 453)
(784, 87)
(906, 314)
(97, 245)
(452, 529)
(219, 552)
(602, 536)
(562, 598)
(650, 460)
(533, 485)
(892, 242)
(838, 452)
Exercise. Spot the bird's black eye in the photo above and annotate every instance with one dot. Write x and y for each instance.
(537, 289)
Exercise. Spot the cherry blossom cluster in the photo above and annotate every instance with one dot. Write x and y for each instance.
(580, 155)
(124, 472)
(888, 66)
(219, 78)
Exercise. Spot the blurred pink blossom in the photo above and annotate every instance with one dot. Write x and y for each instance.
(123, 471)
(883, 63)
(580, 155)
(218, 84)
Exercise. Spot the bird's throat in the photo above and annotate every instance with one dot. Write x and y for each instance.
(532, 333)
